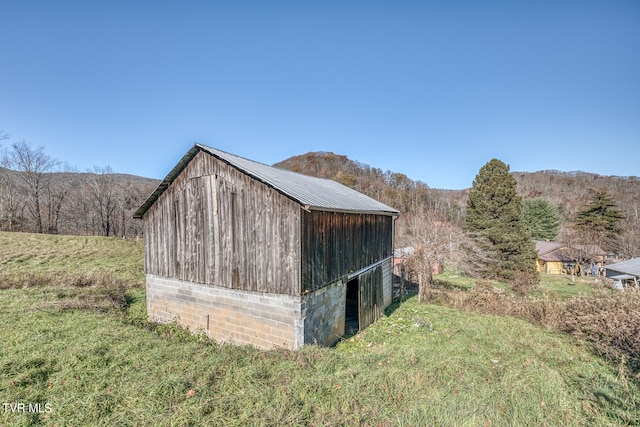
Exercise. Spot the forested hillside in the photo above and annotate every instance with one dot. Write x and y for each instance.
(570, 189)
(434, 216)
(99, 203)
(39, 194)
(393, 188)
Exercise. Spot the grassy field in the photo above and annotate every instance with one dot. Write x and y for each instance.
(54, 256)
(419, 365)
(564, 286)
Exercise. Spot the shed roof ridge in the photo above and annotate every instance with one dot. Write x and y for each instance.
(331, 195)
(208, 148)
(214, 151)
(309, 191)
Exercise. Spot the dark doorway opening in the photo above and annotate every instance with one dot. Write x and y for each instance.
(351, 315)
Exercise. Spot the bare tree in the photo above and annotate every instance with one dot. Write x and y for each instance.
(57, 190)
(629, 242)
(435, 241)
(125, 201)
(11, 201)
(83, 211)
(104, 190)
(33, 165)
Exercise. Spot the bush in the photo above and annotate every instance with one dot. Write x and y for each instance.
(525, 282)
(610, 321)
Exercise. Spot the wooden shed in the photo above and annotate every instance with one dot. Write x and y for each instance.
(254, 254)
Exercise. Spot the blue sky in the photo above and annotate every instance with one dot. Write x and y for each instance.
(432, 89)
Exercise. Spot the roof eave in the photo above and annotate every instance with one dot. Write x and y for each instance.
(182, 164)
(352, 211)
(171, 176)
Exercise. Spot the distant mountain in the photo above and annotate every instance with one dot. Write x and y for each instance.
(340, 168)
(74, 202)
(570, 190)
(567, 190)
(393, 188)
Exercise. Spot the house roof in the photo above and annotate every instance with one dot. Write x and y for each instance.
(310, 192)
(630, 267)
(561, 255)
(544, 247)
(554, 251)
(403, 252)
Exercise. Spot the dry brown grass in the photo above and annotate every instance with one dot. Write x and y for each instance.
(99, 277)
(608, 320)
(97, 289)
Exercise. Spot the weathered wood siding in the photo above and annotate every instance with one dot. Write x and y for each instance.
(370, 304)
(335, 244)
(217, 226)
(387, 282)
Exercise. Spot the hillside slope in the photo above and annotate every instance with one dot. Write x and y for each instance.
(418, 365)
(568, 190)
(393, 188)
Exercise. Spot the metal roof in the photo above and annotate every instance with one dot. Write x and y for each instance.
(311, 192)
(631, 267)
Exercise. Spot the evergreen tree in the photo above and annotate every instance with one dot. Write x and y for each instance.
(494, 222)
(541, 219)
(598, 220)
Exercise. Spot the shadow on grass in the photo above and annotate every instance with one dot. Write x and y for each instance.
(387, 312)
(130, 299)
(396, 304)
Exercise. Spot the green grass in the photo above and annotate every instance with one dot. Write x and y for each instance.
(564, 286)
(559, 284)
(454, 279)
(418, 365)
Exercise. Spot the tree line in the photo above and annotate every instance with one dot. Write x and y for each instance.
(488, 230)
(41, 194)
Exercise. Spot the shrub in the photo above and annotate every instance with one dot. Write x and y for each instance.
(610, 321)
(525, 282)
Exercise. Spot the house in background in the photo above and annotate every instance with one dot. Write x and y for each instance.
(554, 258)
(401, 255)
(558, 258)
(254, 254)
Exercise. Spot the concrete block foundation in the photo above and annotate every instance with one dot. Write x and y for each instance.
(265, 320)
